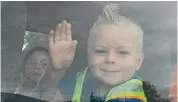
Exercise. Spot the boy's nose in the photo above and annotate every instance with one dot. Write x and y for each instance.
(110, 58)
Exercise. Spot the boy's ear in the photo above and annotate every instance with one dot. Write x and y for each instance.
(140, 61)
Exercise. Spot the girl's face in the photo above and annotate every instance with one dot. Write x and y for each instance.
(36, 65)
(114, 56)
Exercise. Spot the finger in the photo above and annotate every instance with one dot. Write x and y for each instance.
(63, 30)
(63, 37)
(57, 32)
(68, 32)
(51, 37)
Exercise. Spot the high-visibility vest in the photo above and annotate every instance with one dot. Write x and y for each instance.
(130, 89)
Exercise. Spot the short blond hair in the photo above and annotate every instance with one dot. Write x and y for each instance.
(111, 15)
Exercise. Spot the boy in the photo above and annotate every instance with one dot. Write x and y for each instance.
(115, 55)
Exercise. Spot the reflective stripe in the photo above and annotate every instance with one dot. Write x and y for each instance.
(79, 86)
(135, 81)
(130, 94)
(133, 85)
(109, 94)
(76, 96)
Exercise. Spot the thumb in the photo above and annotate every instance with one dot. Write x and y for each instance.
(74, 44)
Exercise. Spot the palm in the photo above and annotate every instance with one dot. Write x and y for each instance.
(61, 46)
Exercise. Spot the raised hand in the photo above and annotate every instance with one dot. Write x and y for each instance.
(61, 46)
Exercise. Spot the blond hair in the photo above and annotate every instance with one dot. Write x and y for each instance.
(111, 15)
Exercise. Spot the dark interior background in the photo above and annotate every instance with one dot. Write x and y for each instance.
(157, 19)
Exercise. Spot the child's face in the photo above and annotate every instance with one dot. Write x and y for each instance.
(36, 65)
(114, 56)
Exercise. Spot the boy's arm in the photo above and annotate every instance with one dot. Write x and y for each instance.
(62, 52)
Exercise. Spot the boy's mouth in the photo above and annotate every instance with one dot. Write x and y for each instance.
(106, 70)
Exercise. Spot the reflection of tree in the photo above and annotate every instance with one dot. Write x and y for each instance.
(150, 92)
(95, 98)
(91, 97)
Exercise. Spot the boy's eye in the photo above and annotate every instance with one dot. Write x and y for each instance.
(123, 52)
(45, 64)
(32, 63)
(100, 52)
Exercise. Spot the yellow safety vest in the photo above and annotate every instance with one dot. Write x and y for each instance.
(130, 89)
